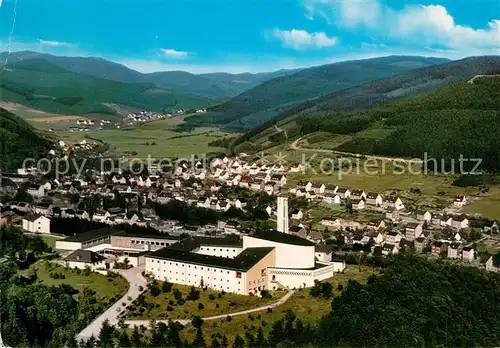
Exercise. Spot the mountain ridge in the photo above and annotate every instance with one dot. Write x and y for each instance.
(208, 85)
(272, 97)
(407, 84)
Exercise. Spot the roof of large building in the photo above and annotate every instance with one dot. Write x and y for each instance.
(145, 235)
(191, 243)
(243, 262)
(278, 237)
(91, 235)
(86, 256)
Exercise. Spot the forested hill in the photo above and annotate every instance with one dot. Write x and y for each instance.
(43, 85)
(218, 86)
(407, 84)
(416, 303)
(460, 120)
(18, 140)
(262, 103)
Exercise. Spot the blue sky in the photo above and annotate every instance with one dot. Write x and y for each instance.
(249, 35)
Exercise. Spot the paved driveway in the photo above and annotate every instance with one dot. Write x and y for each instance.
(135, 279)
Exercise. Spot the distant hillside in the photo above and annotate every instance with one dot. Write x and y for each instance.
(43, 85)
(463, 119)
(18, 141)
(264, 102)
(411, 83)
(214, 86)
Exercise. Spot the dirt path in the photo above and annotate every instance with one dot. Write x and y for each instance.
(295, 146)
(281, 301)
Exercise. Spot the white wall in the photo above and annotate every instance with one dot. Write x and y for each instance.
(40, 225)
(191, 274)
(291, 278)
(287, 255)
(64, 245)
(220, 251)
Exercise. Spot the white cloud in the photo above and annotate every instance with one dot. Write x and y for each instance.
(55, 43)
(301, 39)
(433, 25)
(171, 53)
(430, 25)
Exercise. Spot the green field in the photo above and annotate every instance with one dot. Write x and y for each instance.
(94, 281)
(307, 308)
(157, 139)
(227, 303)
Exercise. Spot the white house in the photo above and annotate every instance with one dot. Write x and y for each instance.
(36, 190)
(374, 199)
(297, 214)
(493, 263)
(459, 222)
(393, 202)
(468, 253)
(87, 259)
(460, 201)
(36, 224)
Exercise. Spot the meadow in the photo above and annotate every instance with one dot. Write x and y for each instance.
(106, 288)
(306, 307)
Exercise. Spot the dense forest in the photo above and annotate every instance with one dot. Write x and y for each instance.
(404, 85)
(262, 103)
(460, 120)
(19, 141)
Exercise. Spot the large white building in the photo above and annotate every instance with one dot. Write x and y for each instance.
(36, 224)
(267, 261)
(282, 214)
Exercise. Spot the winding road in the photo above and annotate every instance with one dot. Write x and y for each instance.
(295, 146)
(135, 279)
(281, 301)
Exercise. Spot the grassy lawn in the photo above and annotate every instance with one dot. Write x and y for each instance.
(156, 307)
(104, 288)
(307, 308)
(51, 240)
(488, 206)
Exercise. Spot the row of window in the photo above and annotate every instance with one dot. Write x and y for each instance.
(148, 242)
(189, 274)
(215, 249)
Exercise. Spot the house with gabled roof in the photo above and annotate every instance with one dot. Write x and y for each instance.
(493, 263)
(343, 192)
(318, 187)
(413, 230)
(374, 199)
(36, 223)
(468, 253)
(304, 185)
(454, 251)
(393, 202)
(358, 194)
(459, 201)
(331, 198)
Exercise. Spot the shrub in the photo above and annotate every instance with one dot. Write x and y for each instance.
(229, 318)
(211, 297)
(232, 304)
(197, 321)
(166, 287)
(340, 287)
(269, 310)
(170, 308)
(171, 303)
(141, 288)
(200, 306)
(181, 302)
(250, 317)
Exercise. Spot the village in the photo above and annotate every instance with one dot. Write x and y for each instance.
(226, 186)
